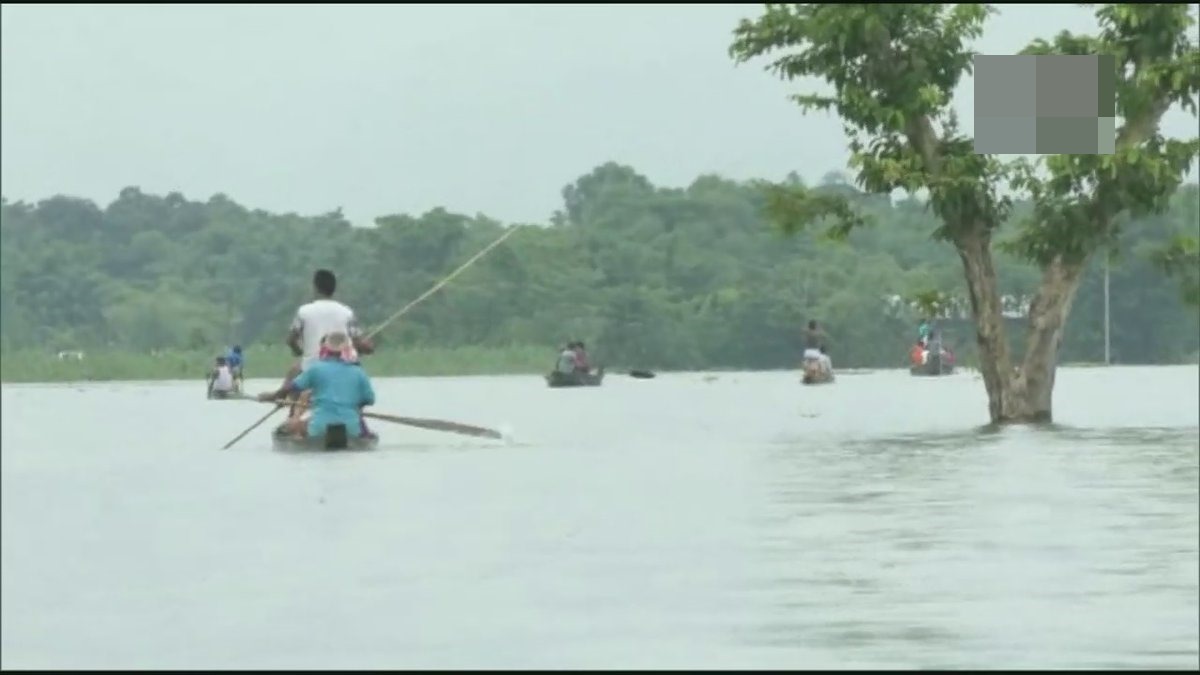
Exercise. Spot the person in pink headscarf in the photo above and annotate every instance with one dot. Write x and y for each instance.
(346, 354)
(335, 347)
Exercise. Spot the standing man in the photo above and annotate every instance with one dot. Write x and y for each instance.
(236, 362)
(313, 322)
(323, 316)
(923, 330)
(814, 337)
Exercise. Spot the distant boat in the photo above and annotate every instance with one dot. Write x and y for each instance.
(234, 394)
(557, 379)
(934, 366)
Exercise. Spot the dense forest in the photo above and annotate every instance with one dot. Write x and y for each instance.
(685, 278)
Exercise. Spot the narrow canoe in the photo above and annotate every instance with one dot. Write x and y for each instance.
(335, 441)
(557, 379)
(814, 375)
(932, 367)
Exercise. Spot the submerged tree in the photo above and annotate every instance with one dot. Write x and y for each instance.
(893, 70)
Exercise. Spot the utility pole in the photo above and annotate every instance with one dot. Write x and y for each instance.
(1107, 343)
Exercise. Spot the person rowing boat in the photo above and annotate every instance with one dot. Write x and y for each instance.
(338, 388)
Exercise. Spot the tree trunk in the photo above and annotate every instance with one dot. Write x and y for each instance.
(1047, 316)
(1026, 395)
(974, 249)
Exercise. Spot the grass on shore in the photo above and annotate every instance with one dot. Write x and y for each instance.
(268, 362)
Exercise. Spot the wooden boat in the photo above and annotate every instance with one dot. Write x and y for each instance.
(336, 440)
(814, 375)
(557, 379)
(933, 367)
(233, 395)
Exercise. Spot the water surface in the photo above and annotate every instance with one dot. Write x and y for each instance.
(690, 521)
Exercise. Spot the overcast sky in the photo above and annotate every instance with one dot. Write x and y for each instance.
(386, 109)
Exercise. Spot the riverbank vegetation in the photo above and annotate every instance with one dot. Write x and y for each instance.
(650, 277)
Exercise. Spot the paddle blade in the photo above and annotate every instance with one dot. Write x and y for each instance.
(438, 425)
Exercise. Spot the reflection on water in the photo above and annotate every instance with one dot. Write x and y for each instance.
(1051, 547)
(684, 522)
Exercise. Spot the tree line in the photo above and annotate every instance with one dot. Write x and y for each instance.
(686, 278)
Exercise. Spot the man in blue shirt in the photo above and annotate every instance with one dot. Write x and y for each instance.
(235, 361)
(339, 390)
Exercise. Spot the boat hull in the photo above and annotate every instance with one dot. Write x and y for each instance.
(813, 374)
(335, 440)
(557, 379)
(934, 367)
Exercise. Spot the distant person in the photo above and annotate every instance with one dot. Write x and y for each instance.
(236, 362)
(338, 387)
(814, 337)
(826, 362)
(566, 360)
(935, 341)
(923, 330)
(581, 359)
(220, 379)
(916, 355)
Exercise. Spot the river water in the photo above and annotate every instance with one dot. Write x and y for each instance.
(690, 521)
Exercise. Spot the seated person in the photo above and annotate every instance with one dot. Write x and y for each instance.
(338, 388)
(581, 360)
(825, 361)
(220, 379)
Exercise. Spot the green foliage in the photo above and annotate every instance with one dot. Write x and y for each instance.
(892, 71)
(262, 361)
(1181, 258)
(649, 277)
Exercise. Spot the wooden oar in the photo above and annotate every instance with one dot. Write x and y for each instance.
(425, 423)
(438, 425)
(399, 314)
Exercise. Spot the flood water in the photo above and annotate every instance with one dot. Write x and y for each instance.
(689, 521)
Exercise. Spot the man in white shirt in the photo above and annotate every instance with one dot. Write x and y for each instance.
(220, 380)
(323, 316)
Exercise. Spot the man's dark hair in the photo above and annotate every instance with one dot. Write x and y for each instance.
(325, 282)
(812, 324)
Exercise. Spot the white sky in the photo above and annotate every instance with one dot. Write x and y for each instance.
(383, 109)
